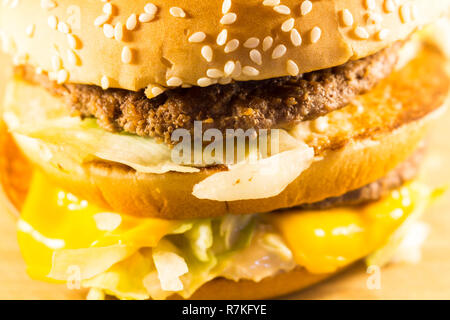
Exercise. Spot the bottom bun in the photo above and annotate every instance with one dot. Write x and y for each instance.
(268, 288)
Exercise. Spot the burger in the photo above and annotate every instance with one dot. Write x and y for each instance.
(216, 149)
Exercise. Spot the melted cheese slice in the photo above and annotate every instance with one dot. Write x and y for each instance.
(324, 241)
(57, 231)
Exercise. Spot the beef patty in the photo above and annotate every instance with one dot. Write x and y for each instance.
(266, 104)
(375, 190)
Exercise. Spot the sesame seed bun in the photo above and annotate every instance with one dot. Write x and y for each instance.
(199, 43)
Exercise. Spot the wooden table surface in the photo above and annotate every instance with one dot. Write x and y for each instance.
(430, 279)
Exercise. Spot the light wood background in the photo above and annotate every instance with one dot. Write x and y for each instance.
(430, 279)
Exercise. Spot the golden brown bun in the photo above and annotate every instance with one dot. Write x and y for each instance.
(359, 147)
(268, 288)
(160, 49)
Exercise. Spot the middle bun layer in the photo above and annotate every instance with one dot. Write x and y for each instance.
(359, 147)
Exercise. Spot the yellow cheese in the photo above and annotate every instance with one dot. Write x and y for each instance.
(323, 241)
(54, 221)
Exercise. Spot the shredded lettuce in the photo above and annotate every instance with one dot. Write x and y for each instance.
(180, 263)
(201, 239)
(120, 282)
(87, 141)
(89, 261)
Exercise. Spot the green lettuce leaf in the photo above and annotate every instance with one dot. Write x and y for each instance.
(86, 140)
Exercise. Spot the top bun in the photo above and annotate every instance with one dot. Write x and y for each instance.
(157, 44)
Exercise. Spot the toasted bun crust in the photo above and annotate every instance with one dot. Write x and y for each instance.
(276, 286)
(73, 44)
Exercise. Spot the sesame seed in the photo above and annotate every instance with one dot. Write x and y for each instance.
(251, 43)
(267, 43)
(131, 22)
(237, 70)
(52, 22)
(361, 33)
(229, 67)
(250, 71)
(207, 53)
(383, 34)
(56, 62)
(73, 41)
(229, 18)
(72, 58)
(271, 3)
(118, 31)
(204, 82)
(370, 4)
(231, 46)
(62, 76)
(146, 17)
(29, 31)
(177, 12)
(150, 8)
(256, 56)
(108, 31)
(389, 6)
(104, 82)
(197, 37)
(222, 37)
(107, 8)
(101, 20)
(156, 91)
(288, 25)
(405, 13)
(226, 6)
(306, 7)
(214, 73)
(282, 9)
(279, 51)
(296, 38)
(225, 80)
(292, 68)
(316, 33)
(127, 55)
(347, 18)
(174, 82)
